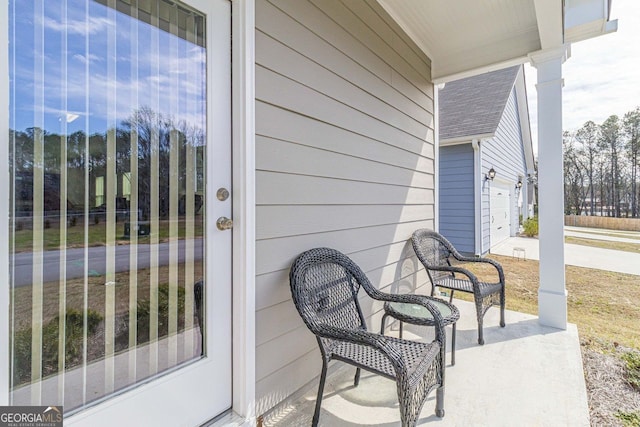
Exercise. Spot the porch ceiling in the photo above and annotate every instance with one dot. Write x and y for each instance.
(469, 37)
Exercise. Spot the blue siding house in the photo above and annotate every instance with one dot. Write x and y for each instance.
(484, 126)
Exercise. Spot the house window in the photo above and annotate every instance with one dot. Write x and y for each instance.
(126, 185)
(99, 191)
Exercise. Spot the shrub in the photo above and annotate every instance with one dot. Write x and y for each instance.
(632, 361)
(531, 227)
(74, 324)
(629, 419)
(144, 313)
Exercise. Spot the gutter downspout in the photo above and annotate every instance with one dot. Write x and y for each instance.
(477, 195)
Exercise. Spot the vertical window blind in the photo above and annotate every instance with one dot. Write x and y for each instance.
(107, 140)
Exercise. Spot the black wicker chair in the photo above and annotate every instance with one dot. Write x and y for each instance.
(324, 287)
(435, 252)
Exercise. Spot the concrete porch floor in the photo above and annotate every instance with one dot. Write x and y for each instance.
(525, 374)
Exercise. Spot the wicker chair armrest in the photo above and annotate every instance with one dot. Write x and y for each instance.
(472, 277)
(361, 336)
(497, 265)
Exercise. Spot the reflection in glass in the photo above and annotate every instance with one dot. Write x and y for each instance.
(107, 180)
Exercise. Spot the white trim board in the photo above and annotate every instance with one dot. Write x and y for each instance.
(436, 158)
(525, 123)
(465, 139)
(244, 241)
(4, 204)
(477, 195)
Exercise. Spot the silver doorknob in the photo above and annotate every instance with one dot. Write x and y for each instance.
(224, 223)
(222, 194)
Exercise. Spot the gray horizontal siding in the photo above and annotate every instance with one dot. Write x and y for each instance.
(504, 152)
(344, 159)
(308, 160)
(314, 190)
(456, 205)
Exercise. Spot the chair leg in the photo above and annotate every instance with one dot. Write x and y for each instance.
(479, 315)
(502, 322)
(323, 376)
(453, 345)
(400, 328)
(440, 402)
(409, 409)
(451, 297)
(356, 379)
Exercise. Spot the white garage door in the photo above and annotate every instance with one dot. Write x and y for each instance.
(500, 212)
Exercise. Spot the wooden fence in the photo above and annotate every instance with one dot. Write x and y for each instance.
(626, 224)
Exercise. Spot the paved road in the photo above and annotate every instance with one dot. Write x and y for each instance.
(96, 261)
(579, 255)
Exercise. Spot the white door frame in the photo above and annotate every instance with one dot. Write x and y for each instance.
(243, 199)
(4, 203)
(244, 206)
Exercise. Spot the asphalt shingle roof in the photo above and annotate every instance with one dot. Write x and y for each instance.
(474, 106)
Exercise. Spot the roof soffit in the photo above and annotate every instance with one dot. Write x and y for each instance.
(469, 37)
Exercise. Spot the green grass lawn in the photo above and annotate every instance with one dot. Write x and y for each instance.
(97, 235)
(605, 307)
(603, 304)
(623, 234)
(605, 244)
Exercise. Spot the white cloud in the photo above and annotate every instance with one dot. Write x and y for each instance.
(93, 25)
(602, 76)
(88, 58)
(169, 82)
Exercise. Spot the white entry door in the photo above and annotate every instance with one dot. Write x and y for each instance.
(120, 137)
(500, 210)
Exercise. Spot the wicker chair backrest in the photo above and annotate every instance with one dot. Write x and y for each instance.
(324, 288)
(433, 250)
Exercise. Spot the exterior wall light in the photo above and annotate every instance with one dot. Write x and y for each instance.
(519, 184)
(490, 175)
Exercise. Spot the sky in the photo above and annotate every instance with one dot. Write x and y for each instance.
(83, 67)
(602, 76)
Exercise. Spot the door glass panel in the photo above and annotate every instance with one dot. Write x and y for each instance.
(107, 140)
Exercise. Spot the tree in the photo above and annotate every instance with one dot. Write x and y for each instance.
(610, 140)
(574, 176)
(631, 127)
(587, 137)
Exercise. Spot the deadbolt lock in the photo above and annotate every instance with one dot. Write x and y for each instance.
(224, 223)
(222, 194)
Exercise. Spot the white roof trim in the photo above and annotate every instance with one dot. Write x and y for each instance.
(481, 70)
(585, 19)
(549, 14)
(525, 124)
(465, 139)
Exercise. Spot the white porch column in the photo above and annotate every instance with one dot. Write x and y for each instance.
(552, 294)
